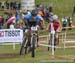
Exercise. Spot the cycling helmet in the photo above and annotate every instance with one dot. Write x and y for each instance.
(55, 17)
(34, 13)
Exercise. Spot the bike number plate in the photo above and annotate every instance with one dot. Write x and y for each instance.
(26, 30)
(34, 28)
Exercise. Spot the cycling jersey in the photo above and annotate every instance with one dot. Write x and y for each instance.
(56, 25)
(32, 21)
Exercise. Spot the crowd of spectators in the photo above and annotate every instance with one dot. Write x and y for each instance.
(8, 9)
(6, 16)
(46, 11)
(67, 22)
(10, 5)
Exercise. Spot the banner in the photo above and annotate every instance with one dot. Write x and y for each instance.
(11, 35)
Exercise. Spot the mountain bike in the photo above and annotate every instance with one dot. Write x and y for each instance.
(32, 33)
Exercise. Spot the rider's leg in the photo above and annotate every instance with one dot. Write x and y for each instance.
(57, 39)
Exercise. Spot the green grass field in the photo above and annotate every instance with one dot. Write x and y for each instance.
(8, 55)
(61, 8)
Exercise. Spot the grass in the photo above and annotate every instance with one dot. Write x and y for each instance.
(42, 55)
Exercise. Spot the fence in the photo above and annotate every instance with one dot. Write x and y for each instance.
(64, 37)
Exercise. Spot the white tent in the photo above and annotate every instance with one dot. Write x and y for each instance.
(27, 4)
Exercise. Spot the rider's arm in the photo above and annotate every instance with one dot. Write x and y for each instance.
(41, 20)
(48, 27)
(26, 17)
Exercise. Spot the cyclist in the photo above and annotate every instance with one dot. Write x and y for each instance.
(54, 27)
(33, 19)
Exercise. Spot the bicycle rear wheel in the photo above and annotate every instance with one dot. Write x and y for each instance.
(49, 44)
(50, 41)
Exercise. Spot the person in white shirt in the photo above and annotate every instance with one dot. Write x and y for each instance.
(64, 23)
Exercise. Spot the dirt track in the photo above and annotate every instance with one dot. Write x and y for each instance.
(9, 55)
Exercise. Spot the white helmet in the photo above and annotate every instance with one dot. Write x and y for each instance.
(55, 17)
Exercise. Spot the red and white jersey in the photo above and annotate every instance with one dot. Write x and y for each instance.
(56, 26)
(0, 19)
(11, 20)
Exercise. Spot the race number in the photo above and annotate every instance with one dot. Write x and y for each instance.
(34, 28)
(26, 30)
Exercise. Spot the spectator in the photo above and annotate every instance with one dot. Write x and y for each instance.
(2, 5)
(38, 7)
(14, 5)
(17, 17)
(47, 15)
(73, 11)
(7, 5)
(18, 25)
(1, 19)
(41, 13)
(70, 24)
(12, 26)
(50, 8)
(11, 5)
(28, 12)
(19, 6)
(11, 20)
(64, 22)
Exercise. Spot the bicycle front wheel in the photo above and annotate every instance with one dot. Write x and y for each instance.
(33, 45)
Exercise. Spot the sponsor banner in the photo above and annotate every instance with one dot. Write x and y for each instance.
(11, 35)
